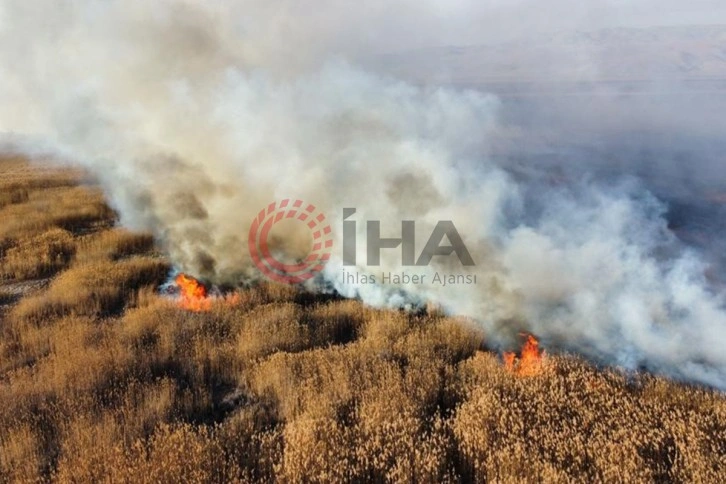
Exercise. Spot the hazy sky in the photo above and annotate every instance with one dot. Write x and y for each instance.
(467, 21)
(391, 25)
(375, 26)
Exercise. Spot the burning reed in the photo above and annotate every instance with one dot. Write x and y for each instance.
(193, 294)
(531, 360)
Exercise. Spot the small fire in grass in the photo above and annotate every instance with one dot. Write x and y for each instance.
(194, 296)
(530, 361)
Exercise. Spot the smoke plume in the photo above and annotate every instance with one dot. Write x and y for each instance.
(195, 115)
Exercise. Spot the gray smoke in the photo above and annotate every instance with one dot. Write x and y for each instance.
(195, 115)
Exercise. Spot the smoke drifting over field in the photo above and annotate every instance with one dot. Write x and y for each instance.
(195, 115)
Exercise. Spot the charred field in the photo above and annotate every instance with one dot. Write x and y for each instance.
(104, 378)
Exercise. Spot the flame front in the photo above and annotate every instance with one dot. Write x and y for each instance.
(193, 294)
(530, 361)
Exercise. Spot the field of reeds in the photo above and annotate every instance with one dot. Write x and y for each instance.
(104, 379)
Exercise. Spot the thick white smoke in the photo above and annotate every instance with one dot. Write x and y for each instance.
(194, 115)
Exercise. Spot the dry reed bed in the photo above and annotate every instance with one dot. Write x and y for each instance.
(104, 380)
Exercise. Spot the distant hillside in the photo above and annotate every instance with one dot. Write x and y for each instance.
(619, 54)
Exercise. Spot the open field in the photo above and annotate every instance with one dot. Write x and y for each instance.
(103, 379)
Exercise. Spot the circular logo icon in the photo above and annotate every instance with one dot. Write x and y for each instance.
(300, 212)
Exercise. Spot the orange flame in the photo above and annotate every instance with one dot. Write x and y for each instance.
(530, 361)
(193, 294)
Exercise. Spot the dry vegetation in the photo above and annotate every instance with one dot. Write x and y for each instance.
(104, 380)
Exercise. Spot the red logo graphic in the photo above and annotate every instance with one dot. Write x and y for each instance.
(260, 251)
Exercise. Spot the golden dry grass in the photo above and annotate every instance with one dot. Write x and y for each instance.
(104, 380)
